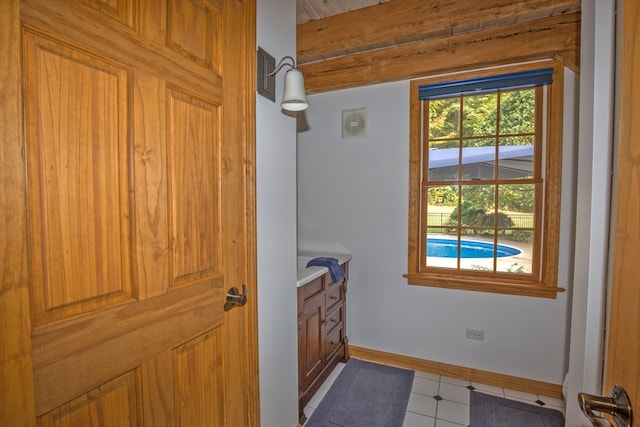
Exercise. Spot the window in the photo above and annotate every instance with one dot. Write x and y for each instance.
(485, 175)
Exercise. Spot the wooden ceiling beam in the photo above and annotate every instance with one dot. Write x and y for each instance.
(401, 21)
(556, 37)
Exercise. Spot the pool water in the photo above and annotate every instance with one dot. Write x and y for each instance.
(448, 248)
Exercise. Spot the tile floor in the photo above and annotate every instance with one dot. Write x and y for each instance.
(439, 401)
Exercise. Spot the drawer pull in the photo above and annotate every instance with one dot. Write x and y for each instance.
(333, 297)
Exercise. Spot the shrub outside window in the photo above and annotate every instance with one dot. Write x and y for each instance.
(485, 180)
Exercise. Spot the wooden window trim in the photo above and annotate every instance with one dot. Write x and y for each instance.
(546, 287)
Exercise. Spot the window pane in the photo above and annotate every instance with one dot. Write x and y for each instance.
(480, 116)
(442, 226)
(444, 118)
(517, 199)
(441, 202)
(478, 159)
(477, 251)
(442, 251)
(517, 111)
(477, 205)
(515, 157)
(517, 203)
(513, 256)
(443, 163)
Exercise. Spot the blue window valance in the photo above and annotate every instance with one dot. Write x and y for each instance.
(485, 84)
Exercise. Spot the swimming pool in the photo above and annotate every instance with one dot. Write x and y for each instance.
(448, 248)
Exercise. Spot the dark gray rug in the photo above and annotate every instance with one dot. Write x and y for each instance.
(493, 411)
(365, 394)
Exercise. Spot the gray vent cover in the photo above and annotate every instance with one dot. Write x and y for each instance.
(354, 123)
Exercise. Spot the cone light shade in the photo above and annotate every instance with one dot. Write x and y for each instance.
(294, 97)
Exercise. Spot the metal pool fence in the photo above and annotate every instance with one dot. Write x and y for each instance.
(519, 220)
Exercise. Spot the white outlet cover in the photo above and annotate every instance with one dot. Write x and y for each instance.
(475, 334)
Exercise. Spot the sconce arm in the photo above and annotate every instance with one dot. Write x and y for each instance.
(282, 64)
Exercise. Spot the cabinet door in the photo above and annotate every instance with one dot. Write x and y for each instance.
(312, 339)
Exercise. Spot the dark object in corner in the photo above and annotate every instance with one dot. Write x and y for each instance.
(337, 274)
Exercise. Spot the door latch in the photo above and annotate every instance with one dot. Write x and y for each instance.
(617, 404)
(235, 298)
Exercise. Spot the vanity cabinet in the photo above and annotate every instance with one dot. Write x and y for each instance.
(321, 333)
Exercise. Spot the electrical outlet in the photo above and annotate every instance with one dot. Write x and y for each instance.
(475, 334)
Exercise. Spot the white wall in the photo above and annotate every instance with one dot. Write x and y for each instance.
(593, 191)
(276, 219)
(353, 197)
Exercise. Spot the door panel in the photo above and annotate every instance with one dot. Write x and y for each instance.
(193, 30)
(194, 187)
(199, 380)
(78, 193)
(150, 180)
(114, 403)
(623, 348)
(129, 244)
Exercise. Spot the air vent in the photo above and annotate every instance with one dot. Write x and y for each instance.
(354, 123)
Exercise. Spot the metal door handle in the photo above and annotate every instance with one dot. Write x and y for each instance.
(235, 298)
(617, 404)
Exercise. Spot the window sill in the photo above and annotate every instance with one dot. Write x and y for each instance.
(529, 289)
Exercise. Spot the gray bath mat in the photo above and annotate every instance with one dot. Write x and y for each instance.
(493, 411)
(365, 394)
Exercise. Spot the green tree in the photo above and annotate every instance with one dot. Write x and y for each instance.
(479, 116)
(473, 216)
(444, 118)
(517, 112)
(479, 195)
(444, 195)
(519, 198)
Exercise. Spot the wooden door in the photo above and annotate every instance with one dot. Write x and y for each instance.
(127, 213)
(623, 347)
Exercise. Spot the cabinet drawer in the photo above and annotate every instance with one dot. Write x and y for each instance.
(334, 340)
(334, 294)
(334, 318)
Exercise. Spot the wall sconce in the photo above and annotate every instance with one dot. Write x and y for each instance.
(294, 97)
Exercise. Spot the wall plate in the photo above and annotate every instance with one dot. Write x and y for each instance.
(266, 84)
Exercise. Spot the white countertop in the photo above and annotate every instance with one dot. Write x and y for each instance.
(305, 275)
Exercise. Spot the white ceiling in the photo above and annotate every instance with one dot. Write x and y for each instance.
(309, 10)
